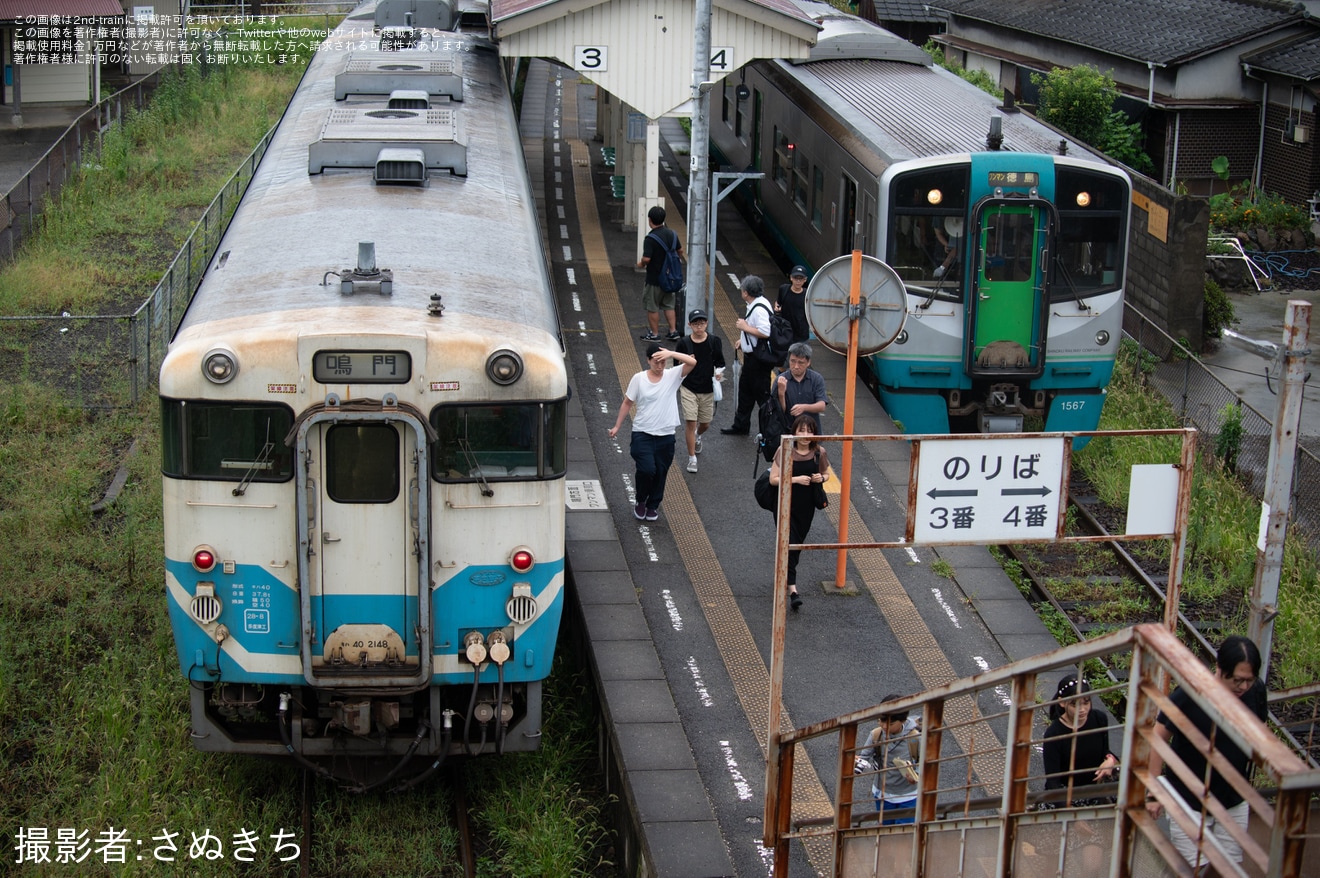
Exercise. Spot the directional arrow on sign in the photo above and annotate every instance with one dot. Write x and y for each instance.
(936, 492)
(1018, 492)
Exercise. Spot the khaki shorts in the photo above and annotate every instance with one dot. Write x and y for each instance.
(699, 407)
(655, 299)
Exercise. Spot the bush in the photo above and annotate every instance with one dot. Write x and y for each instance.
(1080, 101)
(1218, 314)
(979, 78)
(1243, 207)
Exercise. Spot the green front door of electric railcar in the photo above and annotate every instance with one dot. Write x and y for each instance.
(1007, 304)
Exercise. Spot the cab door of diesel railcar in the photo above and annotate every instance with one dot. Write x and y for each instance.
(362, 543)
(1006, 308)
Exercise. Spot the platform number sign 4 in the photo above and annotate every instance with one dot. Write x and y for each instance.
(591, 59)
(721, 60)
(988, 490)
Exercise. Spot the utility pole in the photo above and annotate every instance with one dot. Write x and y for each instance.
(699, 172)
(1279, 479)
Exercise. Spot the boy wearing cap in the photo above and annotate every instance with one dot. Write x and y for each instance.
(697, 393)
(792, 303)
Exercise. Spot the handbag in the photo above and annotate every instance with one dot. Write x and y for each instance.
(767, 495)
(818, 495)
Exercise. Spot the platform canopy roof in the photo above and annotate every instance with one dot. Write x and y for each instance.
(643, 52)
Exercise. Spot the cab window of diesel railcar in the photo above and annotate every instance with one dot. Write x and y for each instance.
(362, 463)
(1092, 229)
(924, 206)
(506, 441)
(225, 441)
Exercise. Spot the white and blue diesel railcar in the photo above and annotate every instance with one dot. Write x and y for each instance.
(363, 416)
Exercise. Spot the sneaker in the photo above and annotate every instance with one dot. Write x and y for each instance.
(639, 512)
(939, 271)
(674, 336)
(795, 599)
(650, 336)
(653, 515)
(692, 464)
(698, 451)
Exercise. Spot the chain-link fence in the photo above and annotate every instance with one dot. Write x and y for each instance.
(1200, 399)
(105, 360)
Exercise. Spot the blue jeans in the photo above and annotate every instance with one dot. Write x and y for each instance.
(882, 806)
(653, 456)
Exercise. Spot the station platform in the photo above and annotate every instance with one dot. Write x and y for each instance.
(677, 613)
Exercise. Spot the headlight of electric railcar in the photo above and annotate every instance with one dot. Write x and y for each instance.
(504, 367)
(1102, 337)
(220, 365)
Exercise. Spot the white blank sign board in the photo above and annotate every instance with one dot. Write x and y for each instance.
(1152, 499)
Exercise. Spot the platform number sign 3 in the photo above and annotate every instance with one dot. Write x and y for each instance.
(591, 59)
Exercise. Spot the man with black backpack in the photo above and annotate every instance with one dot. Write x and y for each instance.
(661, 251)
(754, 385)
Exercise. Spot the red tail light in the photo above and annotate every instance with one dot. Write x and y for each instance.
(203, 559)
(522, 560)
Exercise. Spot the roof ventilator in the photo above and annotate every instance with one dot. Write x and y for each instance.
(375, 73)
(409, 99)
(437, 14)
(396, 165)
(366, 273)
(353, 137)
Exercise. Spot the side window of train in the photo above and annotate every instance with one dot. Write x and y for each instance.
(781, 163)
(225, 441)
(511, 441)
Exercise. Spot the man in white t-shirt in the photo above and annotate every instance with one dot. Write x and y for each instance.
(653, 393)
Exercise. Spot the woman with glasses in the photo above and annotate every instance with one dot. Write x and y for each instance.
(1237, 668)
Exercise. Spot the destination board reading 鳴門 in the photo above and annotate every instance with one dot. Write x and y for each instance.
(362, 367)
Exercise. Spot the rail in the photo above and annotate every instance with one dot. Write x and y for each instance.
(979, 807)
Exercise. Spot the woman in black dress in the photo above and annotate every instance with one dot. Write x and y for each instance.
(810, 469)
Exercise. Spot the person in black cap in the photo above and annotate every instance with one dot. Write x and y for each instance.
(651, 393)
(792, 303)
(697, 394)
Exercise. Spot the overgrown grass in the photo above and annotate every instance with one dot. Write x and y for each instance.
(1221, 551)
(94, 726)
(116, 226)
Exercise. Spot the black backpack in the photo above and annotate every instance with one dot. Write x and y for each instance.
(774, 348)
(672, 275)
(772, 423)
